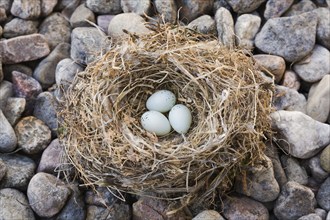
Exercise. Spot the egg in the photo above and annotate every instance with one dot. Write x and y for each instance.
(161, 101)
(155, 122)
(180, 118)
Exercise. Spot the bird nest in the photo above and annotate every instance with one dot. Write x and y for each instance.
(229, 98)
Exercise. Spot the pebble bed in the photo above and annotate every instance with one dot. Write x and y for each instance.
(45, 43)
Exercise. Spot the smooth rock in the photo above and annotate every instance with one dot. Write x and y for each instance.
(86, 44)
(291, 80)
(168, 9)
(8, 140)
(3, 169)
(103, 22)
(321, 212)
(45, 71)
(292, 125)
(17, 27)
(323, 195)
(140, 7)
(51, 158)
(103, 197)
(65, 72)
(294, 201)
(300, 7)
(118, 211)
(311, 216)
(80, 15)
(6, 4)
(289, 99)
(14, 206)
(225, 27)
(32, 134)
(47, 7)
(203, 24)
(131, 22)
(26, 9)
(294, 171)
(273, 64)
(14, 109)
(325, 158)
(112, 7)
(279, 36)
(314, 167)
(244, 208)
(318, 102)
(6, 91)
(260, 183)
(56, 29)
(244, 6)
(220, 3)
(24, 48)
(8, 70)
(275, 8)
(191, 9)
(42, 186)
(209, 215)
(315, 66)
(323, 27)
(20, 170)
(246, 28)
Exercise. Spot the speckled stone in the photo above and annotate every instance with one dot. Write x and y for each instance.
(300, 7)
(14, 109)
(294, 171)
(323, 195)
(291, 80)
(204, 24)
(51, 158)
(243, 6)
(8, 140)
(140, 7)
(225, 27)
(26, 9)
(168, 9)
(275, 8)
(325, 158)
(191, 9)
(80, 15)
(6, 91)
(246, 28)
(111, 7)
(47, 7)
(17, 27)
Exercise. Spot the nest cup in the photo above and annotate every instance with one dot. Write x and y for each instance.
(229, 99)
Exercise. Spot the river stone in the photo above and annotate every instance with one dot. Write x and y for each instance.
(225, 27)
(275, 8)
(14, 206)
(80, 15)
(321, 212)
(3, 169)
(220, 3)
(260, 183)
(244, 208)
(26, 9)
(294, 201)
(323, 27)
(51, 158)
(279, 36)
(45, 71)
(111, 7)
(56, 29)
(103, 22)
(291, 80)
(8, 70)
(86, 44)
(274, 64)
(24, 48)
(315, 66)
(289, 99)
(47, 7)
(293, 170)
(8, 140)
(315, 169)
(246, 28)
(244, 6)
(6, 4)
(323, 195)
(44, 185)
(292, 125)
(140, 7)
(203, 24)
(17, 27)
(32, 134)
(6, 91)
(311, 216)
(325, 158)
(65, 72)
(14, 109)
(103, 197)
(117, 211)
(300, 7)
(20, 170)
(131, 22)
(168, 9)
(191, 9)
(209, 215)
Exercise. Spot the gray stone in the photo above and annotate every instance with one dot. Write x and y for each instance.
(291, 80)
(17, 27)
(13, 205)
(325, 158)
(26, 9)
(311, 216)
(8, 140)
(131, 22)
(56, 29)
(32, 134)
(279, 36)
(294, 201)
(6, 91)
(318, 102)
(80, 15)
(3, 15)
(246, 28)
(8, 70)
(275, 8)
(300, 7)
(66, 70)
(323, 27)
(45, 71)
(314, 167)
(6, 4)
(14, 109)
(3, 169)
(103, 22)
(220, 3)
(203, 24)
(47, 7)
(225, 27)
(260, 183)
(42, 186)
(51, 158)
(209, 215)
(293, 125)
(289, 99)
(20, 170)
(274, 64)
(321, 212)
(244, 208)
(243, 6)
(192, 9)
(112, 7)
(315, 66)
(323, 195)
(328, 216)
(119, 211)
(294, 171)
(103, 197)
(86, 44)
(140, 7)
(168, 9)
(24, 48)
